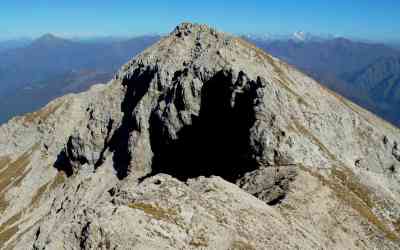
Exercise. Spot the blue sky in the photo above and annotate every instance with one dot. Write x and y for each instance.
(370, 19)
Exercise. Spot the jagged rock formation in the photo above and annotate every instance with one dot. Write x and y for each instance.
(133, 164)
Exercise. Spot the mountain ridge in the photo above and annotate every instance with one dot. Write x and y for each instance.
(44, 85)
(336, 63)
(130, 164)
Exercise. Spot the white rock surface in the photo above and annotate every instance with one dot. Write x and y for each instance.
(119, 166)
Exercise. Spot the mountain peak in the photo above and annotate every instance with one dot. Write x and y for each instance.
(197, 45)
(49, 39)
(187, 28)
(300, 35)
(137, 158)
(48, 36)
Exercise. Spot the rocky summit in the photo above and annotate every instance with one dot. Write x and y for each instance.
(203, 141)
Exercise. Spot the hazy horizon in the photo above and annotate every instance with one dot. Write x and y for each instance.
(367, 20)
(111, 37)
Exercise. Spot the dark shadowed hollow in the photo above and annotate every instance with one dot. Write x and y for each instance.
(216, 143)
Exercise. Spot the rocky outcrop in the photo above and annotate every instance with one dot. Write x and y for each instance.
(150, 160)
(191, 122)
(268, 184)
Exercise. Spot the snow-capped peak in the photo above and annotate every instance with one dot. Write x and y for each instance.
(300, 35)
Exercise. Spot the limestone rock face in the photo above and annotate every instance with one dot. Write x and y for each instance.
(202, 141)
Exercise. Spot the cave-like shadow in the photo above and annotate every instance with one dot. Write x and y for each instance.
(217, 141)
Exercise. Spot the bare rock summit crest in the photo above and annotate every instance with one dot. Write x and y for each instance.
(202, 141)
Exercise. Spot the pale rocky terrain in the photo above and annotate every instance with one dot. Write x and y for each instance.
(202, 141)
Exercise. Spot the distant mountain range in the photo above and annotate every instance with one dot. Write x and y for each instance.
(381, 83)
(397, 46)
(366, 73)
(14, 43)
(50, 66)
